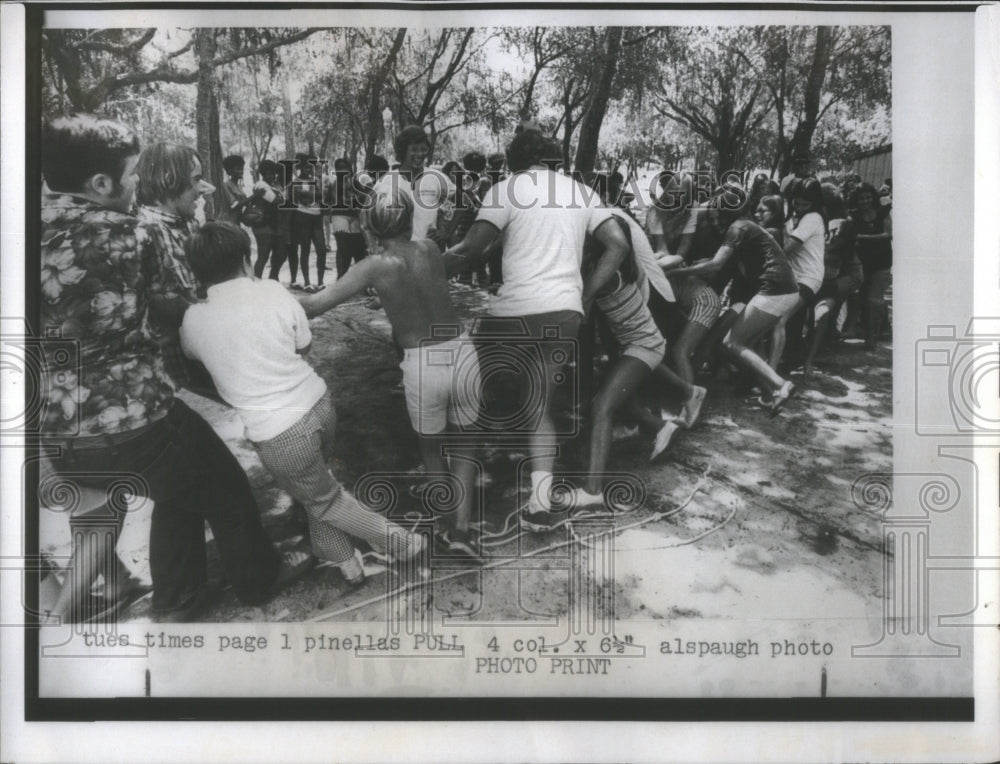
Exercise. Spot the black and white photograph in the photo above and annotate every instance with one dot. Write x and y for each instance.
(439, 355)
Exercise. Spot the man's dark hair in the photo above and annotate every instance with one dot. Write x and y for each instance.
(407, 137)
(474, 162)
(269, 167)
(164, 172)
(216, 253)
(75, 149)
(527, 148)
(496, 161)
(233, 164)
(600, 182)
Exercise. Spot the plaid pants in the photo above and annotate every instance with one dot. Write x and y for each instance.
(295, 459)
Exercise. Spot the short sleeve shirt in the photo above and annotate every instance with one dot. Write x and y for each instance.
(806, 255)
(762, 265)
(544, 218)
(247, 333)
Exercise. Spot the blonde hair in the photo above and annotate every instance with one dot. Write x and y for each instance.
(390, 213)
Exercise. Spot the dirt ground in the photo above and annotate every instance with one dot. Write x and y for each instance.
(774, 511)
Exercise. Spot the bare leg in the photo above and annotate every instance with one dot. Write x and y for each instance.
(753, 324)
(680, 354)
(621, 383)
(826, 311)
(714, 336)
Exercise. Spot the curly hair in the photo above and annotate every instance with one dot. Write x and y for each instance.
(527, 148)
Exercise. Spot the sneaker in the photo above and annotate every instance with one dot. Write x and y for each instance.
(415, 547)
(781, 398)
(541, 520)
(663, 438)
(580, 497)
(352, 570)
(692, 407)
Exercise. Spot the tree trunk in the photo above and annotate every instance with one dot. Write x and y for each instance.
(597, 102)
(215, 176)
(205, 50)
(286, 108)
(802, 137)
(375, 126)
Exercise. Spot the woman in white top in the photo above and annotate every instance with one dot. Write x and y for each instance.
(805, 241)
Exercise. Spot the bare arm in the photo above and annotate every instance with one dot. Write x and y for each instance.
(470, 250)
(886, 231)
(707, 267)
(356, 280)
(670, 262)
(616, 249)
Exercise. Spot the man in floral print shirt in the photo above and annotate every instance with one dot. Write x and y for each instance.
(169, 188)
(119, 418)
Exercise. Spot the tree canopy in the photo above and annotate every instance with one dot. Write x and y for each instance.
(616, 98)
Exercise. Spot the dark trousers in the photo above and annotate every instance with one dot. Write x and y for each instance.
(308, 230)
(350, 248)
(193, 478)
(268, 245)
(283, 249)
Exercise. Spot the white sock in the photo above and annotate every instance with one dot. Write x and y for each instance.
(541, 485)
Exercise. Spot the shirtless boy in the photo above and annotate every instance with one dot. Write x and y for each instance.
(440, 367)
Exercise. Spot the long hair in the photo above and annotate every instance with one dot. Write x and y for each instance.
(164, 172)
(674, 207)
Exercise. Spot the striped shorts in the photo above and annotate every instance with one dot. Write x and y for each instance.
(633, 325)
(295, 459)
(699, 302)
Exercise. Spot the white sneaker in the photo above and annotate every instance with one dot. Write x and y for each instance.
(663, 438)
(692, 407)
(581, 497)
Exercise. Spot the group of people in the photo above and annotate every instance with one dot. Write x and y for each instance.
(159, 303)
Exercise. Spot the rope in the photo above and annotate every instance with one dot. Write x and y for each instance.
(409, 586)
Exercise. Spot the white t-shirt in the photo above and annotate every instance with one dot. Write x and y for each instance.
(654, 221)
(544, 218)
(650, 273)
(806, 258)
(433, 196)
(246, 334)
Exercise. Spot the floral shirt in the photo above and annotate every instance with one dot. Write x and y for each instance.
(160, 238)
(94, 291)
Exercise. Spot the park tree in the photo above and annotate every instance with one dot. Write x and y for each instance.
(710, 91)
(87, 67)
(806, 72)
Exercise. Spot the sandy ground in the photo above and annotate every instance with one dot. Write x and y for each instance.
(774, 513)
